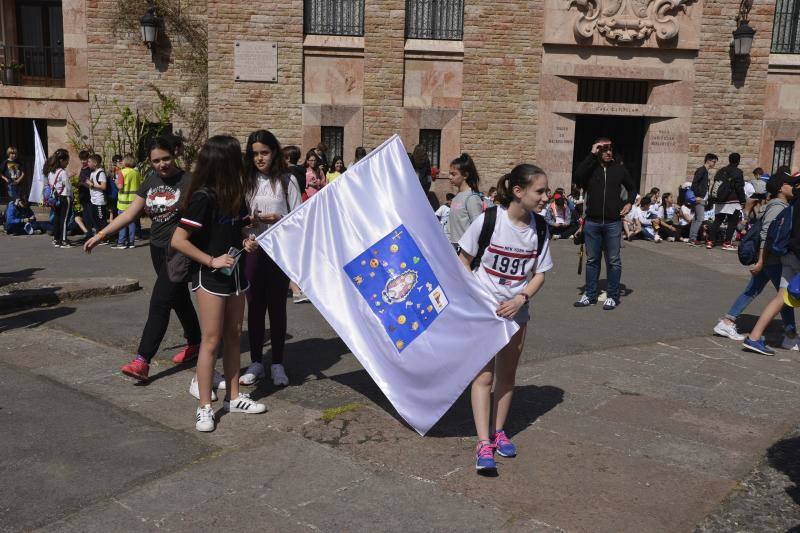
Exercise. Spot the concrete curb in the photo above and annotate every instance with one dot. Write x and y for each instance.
(15, 295)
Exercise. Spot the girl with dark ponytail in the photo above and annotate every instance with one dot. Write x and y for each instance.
(55, 168)
(159, 197)
(468, 203)
(511, 270)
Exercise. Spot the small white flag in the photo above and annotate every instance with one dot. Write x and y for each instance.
(38, 179)
(371, 255)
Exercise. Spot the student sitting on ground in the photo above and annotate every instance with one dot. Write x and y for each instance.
(630, 224)
(649, 224)
(559, 217)
(20, 219)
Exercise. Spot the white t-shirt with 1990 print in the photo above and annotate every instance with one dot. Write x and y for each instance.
(510, 260)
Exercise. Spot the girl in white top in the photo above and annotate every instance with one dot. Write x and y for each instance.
(55, 168)
(277, 194)
(511, 271)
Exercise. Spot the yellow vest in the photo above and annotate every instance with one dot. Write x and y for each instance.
(131, 181)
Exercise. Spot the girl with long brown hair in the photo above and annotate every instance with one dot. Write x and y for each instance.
(211, 233)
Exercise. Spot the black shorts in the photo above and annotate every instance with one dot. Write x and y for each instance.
(220, 284)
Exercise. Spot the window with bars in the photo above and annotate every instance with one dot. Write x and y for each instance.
(333, 17)
(786, 27)
(333, 138)
(431, 140)
(782, 154)
(613, 91)
(435, 19)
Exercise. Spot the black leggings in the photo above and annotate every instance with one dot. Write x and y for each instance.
(167, 296)
(267, 294)
(732, 220)
(60, 230)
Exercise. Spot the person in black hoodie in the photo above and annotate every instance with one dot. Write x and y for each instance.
(602, 179)
(729, 208)
(700, 186)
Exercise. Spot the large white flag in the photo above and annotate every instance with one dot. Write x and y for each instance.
(372, 257)
(38, 178)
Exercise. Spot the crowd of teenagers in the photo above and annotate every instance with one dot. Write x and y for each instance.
(203, 232)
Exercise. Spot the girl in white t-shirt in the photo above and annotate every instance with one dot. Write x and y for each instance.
(511, 271)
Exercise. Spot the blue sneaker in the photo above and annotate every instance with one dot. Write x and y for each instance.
(503, 445)
(484, 456)
(758, 346)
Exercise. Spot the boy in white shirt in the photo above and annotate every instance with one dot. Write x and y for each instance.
(98, 183)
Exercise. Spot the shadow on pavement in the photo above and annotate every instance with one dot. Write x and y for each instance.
(26, 274)
(784, 456)
(34, 318)
(602, 286)
(307, 357)
(529, 403)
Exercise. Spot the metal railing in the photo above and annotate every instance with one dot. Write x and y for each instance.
(782, 154)
(786, 27)
(334, 17)
(435, 19)
(41, 66)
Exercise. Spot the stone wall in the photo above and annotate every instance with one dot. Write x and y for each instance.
(121, 67)
(239, 108)
(728, 106)
(384, 38)
(502, 64)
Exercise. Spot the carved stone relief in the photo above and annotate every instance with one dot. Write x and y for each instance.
(625, 21)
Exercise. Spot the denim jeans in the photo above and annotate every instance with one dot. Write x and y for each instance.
(754, 287)
(603, 238)
(127, 235)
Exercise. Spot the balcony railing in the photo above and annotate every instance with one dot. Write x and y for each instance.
(786, 27)
(435, 19)
(39, 66)
(334, 17)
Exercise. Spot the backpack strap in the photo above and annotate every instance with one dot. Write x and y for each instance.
(541, 233)
(485, 237)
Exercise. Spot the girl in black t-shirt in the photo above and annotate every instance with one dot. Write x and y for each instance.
(214, 215)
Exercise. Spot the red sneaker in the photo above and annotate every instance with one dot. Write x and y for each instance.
(137, 369)
(189, 353)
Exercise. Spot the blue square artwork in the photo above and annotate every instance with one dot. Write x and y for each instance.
(398, 284)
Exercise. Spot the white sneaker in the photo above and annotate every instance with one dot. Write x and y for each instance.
(279, 377)
(205, 419)
(194, 390)
(300, 298)
(243, 404)
(670, 239)
(218, 381)
(728, 330)
(790, 343)
(253, 373)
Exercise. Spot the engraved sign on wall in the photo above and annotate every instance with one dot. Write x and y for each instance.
(255, 61)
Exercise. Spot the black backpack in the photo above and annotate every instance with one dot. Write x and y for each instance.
(487, 229)
(721, 189)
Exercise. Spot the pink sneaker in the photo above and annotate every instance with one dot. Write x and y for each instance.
(187, 354)
(137, 369)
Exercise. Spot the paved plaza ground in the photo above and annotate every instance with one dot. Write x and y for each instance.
(632, 420)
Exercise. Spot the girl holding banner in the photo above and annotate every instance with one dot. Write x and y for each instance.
(511, 269)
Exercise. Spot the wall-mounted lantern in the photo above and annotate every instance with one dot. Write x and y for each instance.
(149, 24)
(743, 34)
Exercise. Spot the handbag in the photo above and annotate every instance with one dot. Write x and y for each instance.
(179, 267)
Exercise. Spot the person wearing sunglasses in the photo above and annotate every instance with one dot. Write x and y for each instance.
(603, 178)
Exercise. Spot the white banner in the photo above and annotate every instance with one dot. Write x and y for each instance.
(372, 257)
(38, 179)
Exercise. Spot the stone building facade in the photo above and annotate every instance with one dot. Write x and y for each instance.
(506, 81)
